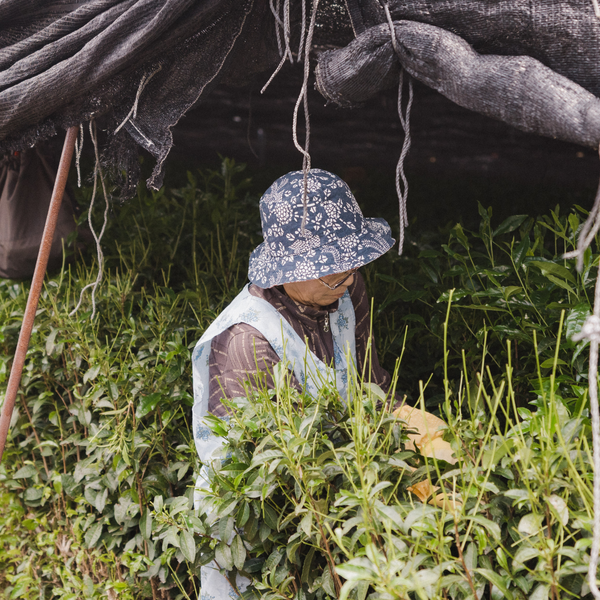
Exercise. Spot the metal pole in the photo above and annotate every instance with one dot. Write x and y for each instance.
(36, 285)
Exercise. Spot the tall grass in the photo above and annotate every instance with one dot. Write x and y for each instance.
(97, 478)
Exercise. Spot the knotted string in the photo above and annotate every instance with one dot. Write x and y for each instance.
(100, 255)
(401, 189)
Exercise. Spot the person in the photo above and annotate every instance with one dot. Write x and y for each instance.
(306, 304)
(305, 291)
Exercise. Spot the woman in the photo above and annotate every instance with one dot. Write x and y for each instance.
(306, 304)
(304, 287)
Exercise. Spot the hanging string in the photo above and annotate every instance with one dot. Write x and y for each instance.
(100, 255)
(591, 332)
(278, 24)
(303, 98)
(302, 31)
(303, 52)
(287, 30)
(78, 150)
(143, 83)
(401, 189)
(284, 26)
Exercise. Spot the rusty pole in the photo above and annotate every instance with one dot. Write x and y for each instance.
(36, 285)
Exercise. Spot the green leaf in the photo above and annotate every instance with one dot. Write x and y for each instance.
(458, 231)
(306, 523)
(492, 528)
(91, 373)
(93, 534)
(238, 552)
(146, 524)
(549, 363)
(521, 252)
(273, 560)
(510, 290)
(223, 556)
(25, 472)
(50, 342)
(178, 505)
(541, 592)
(559, 508)
(560, 283)
(510, 224)
(483, 307)
(147, 404)
(576, 318)
(226, 528)
(171, 538)
(270, 517)
(307, 566)
(530, 524)
(327, 582)
(243, 515)
(187, 545)
(29, 524)
(550, 268)
(500, 582)
(524, 554)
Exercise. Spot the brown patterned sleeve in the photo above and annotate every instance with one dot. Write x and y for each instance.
(360, 300)
(241, 359)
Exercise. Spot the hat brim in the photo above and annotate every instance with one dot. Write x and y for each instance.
(267, 270)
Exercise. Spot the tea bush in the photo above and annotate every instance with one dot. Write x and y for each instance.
(97, 476)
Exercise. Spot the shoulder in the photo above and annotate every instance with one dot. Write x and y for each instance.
(240, 347)
(237, 336)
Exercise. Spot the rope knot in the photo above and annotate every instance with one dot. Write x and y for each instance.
(590, 330)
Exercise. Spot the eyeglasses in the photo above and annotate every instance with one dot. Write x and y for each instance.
(343, 280)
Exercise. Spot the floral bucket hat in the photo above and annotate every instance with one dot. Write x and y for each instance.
(336, 237)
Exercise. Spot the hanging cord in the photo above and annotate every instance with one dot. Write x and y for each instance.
(287, 30)
(302, 31)
(143, 83)
(303, 97)
(78, 150)
(97, 238)
(303, 51)
(401, 190)
(278, 24)
(591, 332)
(284, 26)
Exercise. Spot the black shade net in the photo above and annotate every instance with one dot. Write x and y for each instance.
(136, 66)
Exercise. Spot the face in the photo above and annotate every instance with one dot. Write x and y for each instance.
(314, 293)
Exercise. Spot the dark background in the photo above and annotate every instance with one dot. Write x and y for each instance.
(458, 158)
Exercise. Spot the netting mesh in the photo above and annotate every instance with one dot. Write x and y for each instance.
(66, 62)
(519, 90)
(73, 62)
(136, 66)
(562, 34)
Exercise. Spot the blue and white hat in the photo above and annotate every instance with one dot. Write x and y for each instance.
(336, 236)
